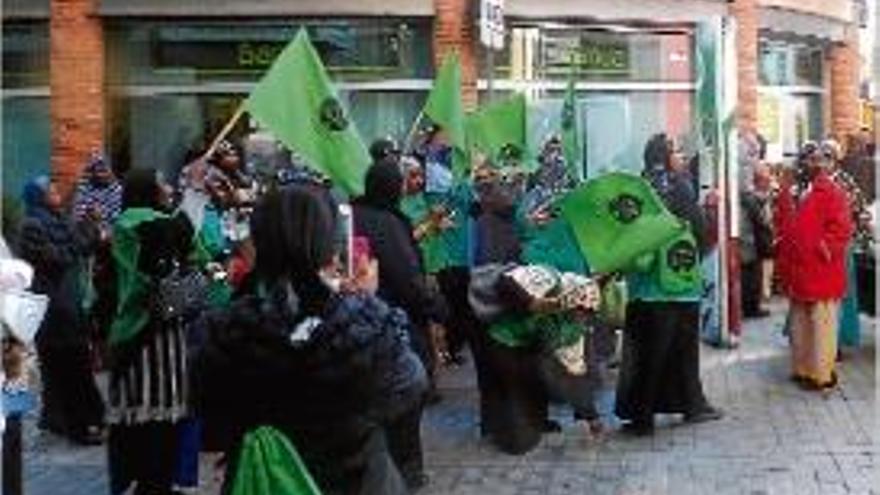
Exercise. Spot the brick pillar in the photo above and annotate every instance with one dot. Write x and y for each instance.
(844, 67)
(454, 31)
(77, 87)
(747, 21)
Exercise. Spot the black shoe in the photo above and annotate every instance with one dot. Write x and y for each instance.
(704, 415)
(638, 428)
(551, 426)
(416, 481)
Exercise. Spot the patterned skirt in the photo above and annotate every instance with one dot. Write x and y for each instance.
(153, 386)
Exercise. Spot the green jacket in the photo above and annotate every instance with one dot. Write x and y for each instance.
(269, 464)
(134, 286)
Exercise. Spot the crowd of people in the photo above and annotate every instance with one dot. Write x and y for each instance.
(230, 303)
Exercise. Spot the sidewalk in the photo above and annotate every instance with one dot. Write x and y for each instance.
(775, 439)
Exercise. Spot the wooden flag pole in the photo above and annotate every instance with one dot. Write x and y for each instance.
(225, 131)
(412, 130)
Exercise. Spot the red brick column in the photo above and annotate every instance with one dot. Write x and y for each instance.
(747, 21)
(454, 31)
(844, 74)
(77, 86)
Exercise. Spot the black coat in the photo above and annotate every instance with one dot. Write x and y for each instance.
(402, 280)
(56, 248)
(331, 393)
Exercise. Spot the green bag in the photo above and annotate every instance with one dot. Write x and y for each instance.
(679, 268)
(616, 219)
(270, 465)
(612, 309)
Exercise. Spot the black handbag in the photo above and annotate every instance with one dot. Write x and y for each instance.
(181, 293)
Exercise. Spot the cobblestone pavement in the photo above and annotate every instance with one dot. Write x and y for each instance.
(774, 440)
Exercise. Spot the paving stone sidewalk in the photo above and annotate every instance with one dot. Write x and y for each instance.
(774, 440)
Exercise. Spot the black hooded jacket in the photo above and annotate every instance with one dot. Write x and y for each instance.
(401, 275)
(329, 390)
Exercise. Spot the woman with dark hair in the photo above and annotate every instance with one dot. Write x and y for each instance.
(402, 283)
(56, 248)
(661, 357)
(310, 353)
(148, 387)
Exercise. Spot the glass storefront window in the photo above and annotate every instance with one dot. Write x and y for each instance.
(782, 63)
(166, 53)
(25, 54)
(553, 51)
(615, 126)
(26, 124)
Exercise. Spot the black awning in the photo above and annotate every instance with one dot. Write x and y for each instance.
(262, 8)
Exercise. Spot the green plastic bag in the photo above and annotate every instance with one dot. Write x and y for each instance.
(612, 309)
(270, 465)
(679, 265)
(616, 219)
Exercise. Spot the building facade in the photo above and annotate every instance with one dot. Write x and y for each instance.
(148, 80)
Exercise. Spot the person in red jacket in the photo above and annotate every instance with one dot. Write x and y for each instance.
(815, 229)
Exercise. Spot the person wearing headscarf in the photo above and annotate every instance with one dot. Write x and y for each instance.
(148, 389)
(815, 230)
(402, 283)
(99, 194)
(98, 199)
(660, 372)
(310, 352)
(849, 326)
(57, 248)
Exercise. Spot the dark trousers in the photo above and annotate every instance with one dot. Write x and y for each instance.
(144, 453)
(660, 372)
(71, 401)
(12, 467)
(404, 438)
(454, 284)
(752, 281)
(513, 400)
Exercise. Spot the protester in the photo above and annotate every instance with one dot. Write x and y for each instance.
(815, 229)
(755, 243)
(661, 354)
(99, 199)
(149, 391)
(56, 248)
(402, 283)
(310, 353)
(849, 327)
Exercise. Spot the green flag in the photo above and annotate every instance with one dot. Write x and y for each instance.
(617, 219)
(269, 463)
(499, 129)
(570, 133)
(444, 105)
(296, 102)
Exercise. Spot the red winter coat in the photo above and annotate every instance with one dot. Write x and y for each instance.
(813, 237)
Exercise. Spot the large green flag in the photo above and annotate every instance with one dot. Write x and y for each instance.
(499, 129)
(570, 133)
(296, 102)
(617, 219)
(444, 108)
(444, 105)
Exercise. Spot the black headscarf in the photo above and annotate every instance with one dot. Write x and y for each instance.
(383, 187)
(140, 189)
(293, 230)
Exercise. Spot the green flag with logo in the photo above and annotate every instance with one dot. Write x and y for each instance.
(570, 132)
(499, 129)
(617, 219)
(296, 102)
(444, 108)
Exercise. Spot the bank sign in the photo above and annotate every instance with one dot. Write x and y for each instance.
(572, 51)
